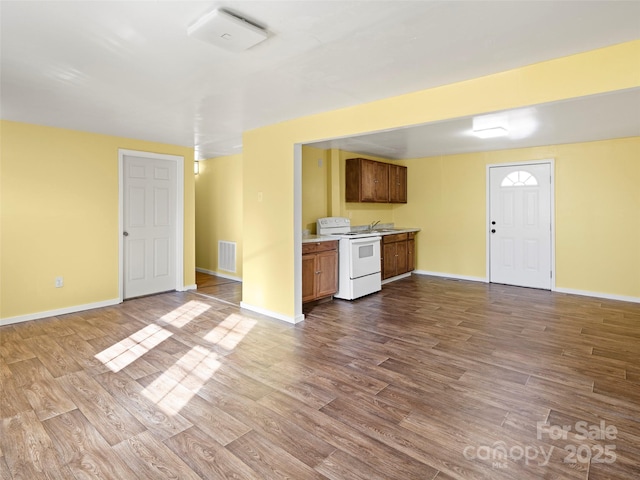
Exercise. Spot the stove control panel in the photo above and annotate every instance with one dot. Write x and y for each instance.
(332, 225)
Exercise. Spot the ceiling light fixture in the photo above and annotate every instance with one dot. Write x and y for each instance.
(491, 126)
(491, 132)
(227, 30)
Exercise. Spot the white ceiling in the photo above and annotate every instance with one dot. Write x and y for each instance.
(128, 68)
(596, 117)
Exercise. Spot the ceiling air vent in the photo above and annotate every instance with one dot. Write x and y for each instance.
(226, 30)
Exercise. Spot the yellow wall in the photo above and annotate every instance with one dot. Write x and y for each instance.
(598, 217)
(59, 201)
(316, 186)
(268, 158)
(219, 211)
(597, 212)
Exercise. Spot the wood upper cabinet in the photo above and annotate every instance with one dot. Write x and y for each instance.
(319, 270)
(397, 184)
(398, 254)
(377, 182)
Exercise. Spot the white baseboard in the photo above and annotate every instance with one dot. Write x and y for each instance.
(269, 313)
(571, 291)
(188, 287)
(59, 311)
(397, 277)
(218, 274)
(608, 296)
(452, 276)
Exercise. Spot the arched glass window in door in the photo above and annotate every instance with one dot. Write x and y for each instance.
(519, 179)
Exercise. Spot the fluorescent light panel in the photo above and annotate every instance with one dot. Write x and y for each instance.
(491, 126)
(491, 132)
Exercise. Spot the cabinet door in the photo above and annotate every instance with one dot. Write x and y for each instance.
(368, 171)
(353, 180)
(401, 258)
(411, 254)
(308, 277)
(397, 184)
(381, 182)
(389, 260)
(327, 279)
(374, 181)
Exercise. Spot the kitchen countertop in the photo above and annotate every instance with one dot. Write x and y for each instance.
(318, 238)
(381, 232)
(393, 231)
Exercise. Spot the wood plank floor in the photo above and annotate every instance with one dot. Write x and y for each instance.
(218, 287)
(428, 379)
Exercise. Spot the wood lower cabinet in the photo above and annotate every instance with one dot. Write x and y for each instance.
(411, 251)
(319, 270)
(398, 254)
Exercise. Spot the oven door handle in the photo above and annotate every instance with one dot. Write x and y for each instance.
(360, 241)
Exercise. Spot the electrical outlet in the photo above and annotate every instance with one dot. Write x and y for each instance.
(59, 282)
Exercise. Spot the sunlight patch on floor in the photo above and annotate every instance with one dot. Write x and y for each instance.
(179, 383)
(185, 313)
(127, 351)
(174, 388)
(231, 331)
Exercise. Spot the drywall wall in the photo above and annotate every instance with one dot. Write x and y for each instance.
(59, 197)
(218, 197)
(270, 166)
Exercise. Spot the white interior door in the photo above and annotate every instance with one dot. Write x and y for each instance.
(149, 225)
(520, 225)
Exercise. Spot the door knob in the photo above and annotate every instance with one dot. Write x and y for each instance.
(126, 234)
(493, 230)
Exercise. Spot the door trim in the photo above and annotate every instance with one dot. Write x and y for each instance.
(179, 253)
(552, 200)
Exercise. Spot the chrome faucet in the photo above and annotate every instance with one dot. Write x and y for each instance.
(373, 225)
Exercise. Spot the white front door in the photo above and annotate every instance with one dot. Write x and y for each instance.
(149, 225)
(520, 225)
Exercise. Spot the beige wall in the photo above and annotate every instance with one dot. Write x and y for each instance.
(218, 211)
(59, 200)
(597, 212)
(270, 268)
(56, 181)
(316, 186)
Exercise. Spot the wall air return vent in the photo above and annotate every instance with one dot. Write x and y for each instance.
(226, 30)
(227, 256)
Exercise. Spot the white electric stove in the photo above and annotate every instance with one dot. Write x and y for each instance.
(359, 269)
